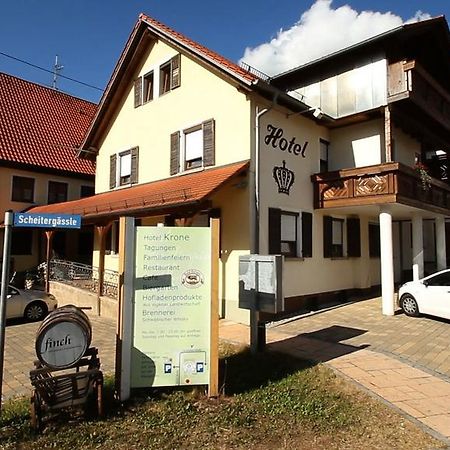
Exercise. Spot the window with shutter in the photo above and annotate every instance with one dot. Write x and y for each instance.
(123, 168)
(333, 237)
(193, 147)
(284, 233)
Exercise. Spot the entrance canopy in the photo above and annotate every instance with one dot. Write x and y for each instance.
(176, 194)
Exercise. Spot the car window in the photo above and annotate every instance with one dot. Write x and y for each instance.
(442, 279)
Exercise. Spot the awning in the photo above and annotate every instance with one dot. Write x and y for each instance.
(184, 192)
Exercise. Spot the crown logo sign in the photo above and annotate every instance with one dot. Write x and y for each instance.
(284, 178)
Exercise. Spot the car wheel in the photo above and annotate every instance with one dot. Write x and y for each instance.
(409, 305)
(35, 311)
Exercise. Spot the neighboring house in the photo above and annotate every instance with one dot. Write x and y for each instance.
(40, 130)
(316, 164)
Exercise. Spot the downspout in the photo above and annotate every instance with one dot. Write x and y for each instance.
(259, 114)
(257, 330)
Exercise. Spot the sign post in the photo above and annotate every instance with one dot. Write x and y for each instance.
(4, 291)
(28, 220)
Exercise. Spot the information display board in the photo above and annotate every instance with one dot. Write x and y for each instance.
(261, 283)
(172, 307)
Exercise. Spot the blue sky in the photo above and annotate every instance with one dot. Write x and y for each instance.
(88, 35)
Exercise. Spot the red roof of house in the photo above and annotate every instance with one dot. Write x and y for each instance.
(199, 49)
(42, 127)
(178, 191)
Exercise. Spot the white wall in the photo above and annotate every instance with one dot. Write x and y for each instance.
(357, 145)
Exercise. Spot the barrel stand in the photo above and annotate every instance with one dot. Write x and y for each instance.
(62, 388)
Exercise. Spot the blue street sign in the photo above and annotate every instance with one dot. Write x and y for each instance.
(47, 220)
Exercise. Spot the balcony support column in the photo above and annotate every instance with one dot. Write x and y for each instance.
(387, 263)
(441, 253)
(417, 247)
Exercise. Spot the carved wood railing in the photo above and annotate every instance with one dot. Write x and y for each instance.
(380, 184)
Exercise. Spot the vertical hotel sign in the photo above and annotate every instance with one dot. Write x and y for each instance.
(172, 307)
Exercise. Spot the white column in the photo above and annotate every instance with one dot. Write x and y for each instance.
(441, 254)
(417, 245)
(387, 263)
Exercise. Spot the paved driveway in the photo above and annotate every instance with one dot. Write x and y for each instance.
(20, 353)
(423, 342)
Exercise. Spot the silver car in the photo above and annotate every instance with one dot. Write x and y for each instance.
(30, 304)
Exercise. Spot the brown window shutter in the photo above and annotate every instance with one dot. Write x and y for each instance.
(209, 151)
(353, 237)
(174, 153)
(274, 231)
(138, 92)
(134, 164)
(327, 236)
(175, 70)
(112, 171)
(307, 231)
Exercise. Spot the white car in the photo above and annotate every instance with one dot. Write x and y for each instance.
(429, 295)
(30, 304)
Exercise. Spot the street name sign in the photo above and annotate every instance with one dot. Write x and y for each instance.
(47, 220)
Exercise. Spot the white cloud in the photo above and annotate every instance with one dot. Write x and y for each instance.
(320, 31)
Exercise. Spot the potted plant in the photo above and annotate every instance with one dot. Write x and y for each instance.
(425, 178)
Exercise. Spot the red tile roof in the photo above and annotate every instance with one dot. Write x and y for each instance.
(172, 192)
(42, 127)
(199, 49)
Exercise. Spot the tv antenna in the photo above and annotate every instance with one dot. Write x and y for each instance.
(56, 69)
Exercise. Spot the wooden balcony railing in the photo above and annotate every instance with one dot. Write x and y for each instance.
(408, 80)
(380, 184)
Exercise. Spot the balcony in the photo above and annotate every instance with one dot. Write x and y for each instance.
(380, 184)
(408, 80)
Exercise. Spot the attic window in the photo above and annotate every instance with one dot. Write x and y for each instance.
(169, 75)
(148, 87)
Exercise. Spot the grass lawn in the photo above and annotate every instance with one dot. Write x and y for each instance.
(268, 401)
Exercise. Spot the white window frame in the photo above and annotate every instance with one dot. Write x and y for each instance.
(119, 168)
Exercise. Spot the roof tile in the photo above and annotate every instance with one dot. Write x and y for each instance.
(200, 49)
(188, 188)
(42, 127)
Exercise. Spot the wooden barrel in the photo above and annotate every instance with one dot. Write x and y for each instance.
(63, 337)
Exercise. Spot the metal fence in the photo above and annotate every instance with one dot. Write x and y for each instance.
(83, 276)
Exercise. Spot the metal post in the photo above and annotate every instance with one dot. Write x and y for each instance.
(4, 291)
